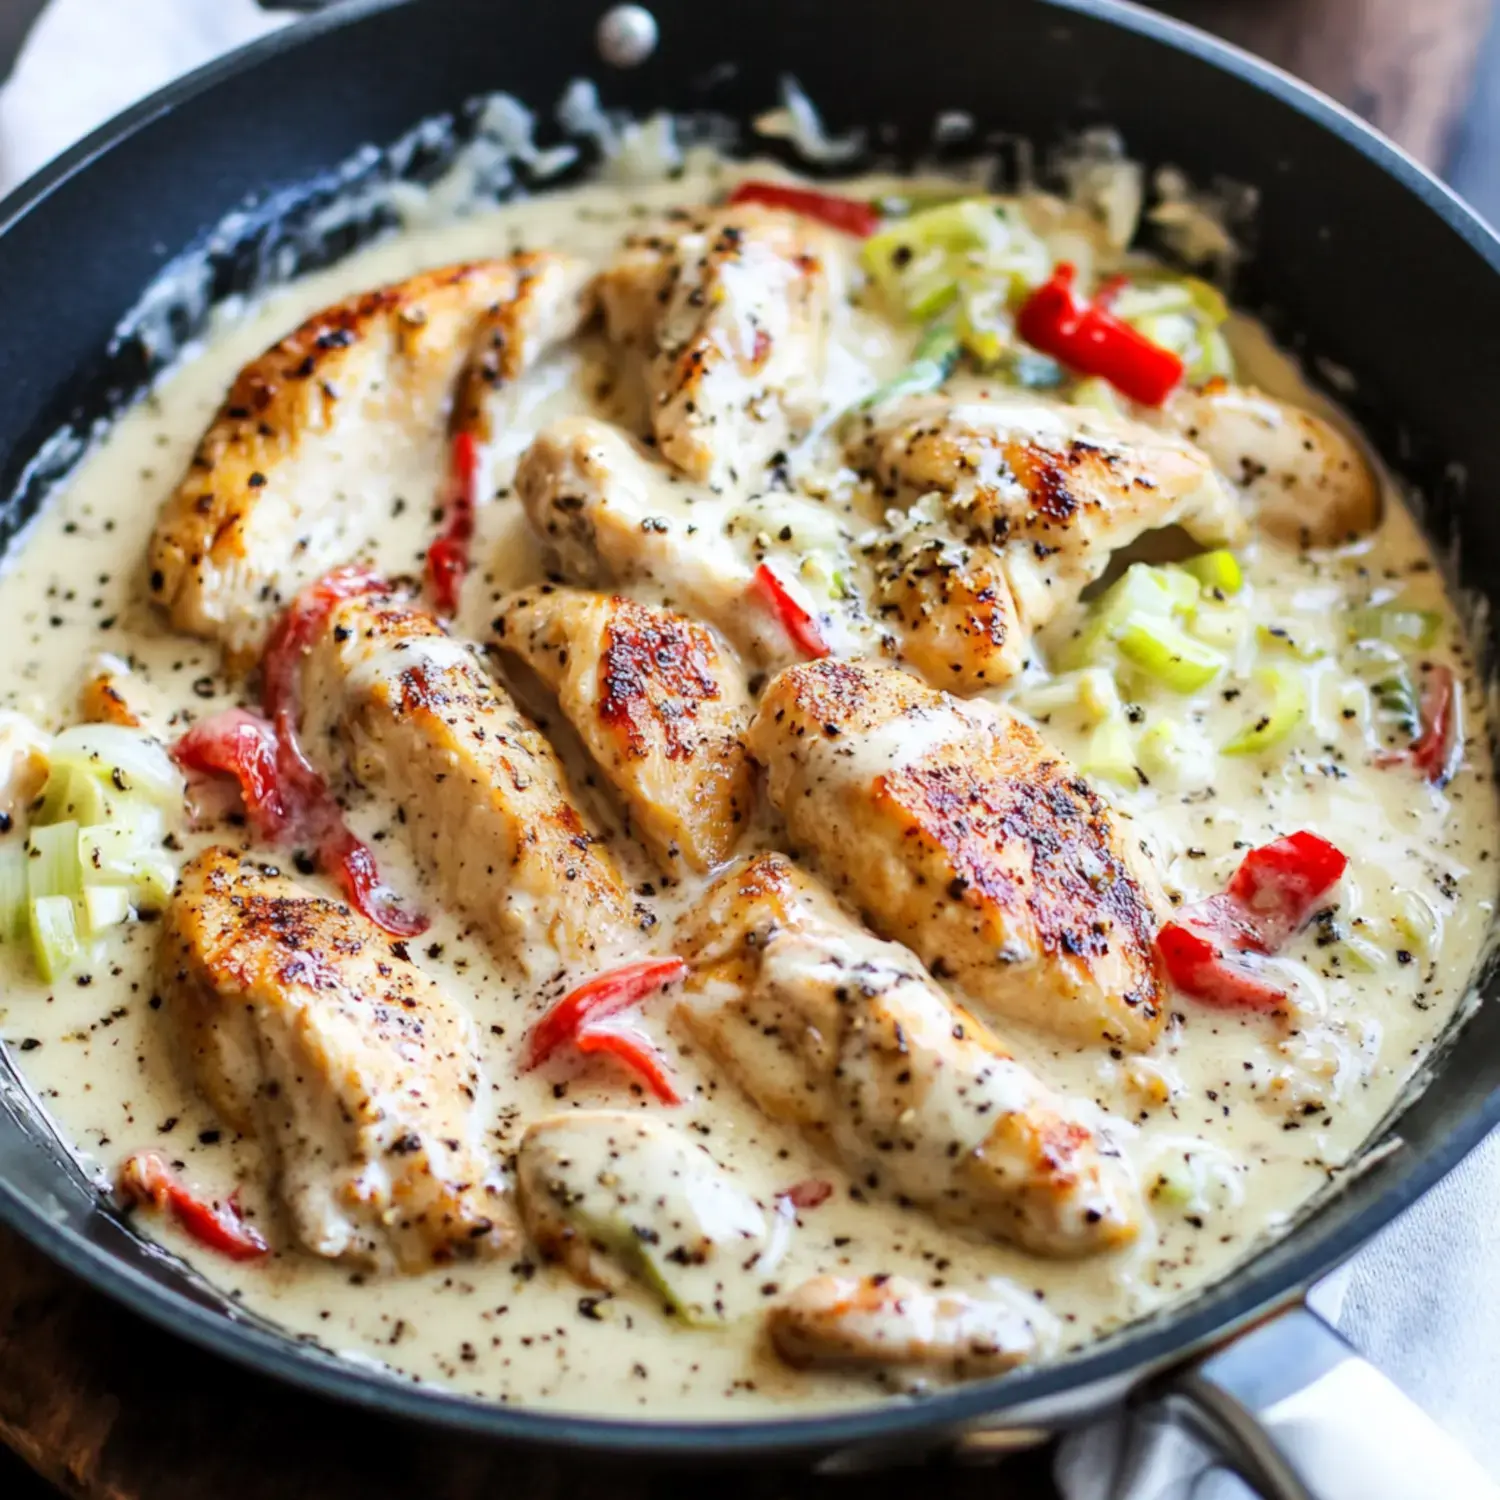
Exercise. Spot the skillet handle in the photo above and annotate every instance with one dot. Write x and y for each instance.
(1300, 1416)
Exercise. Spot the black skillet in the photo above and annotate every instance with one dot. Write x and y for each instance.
(1358, 257)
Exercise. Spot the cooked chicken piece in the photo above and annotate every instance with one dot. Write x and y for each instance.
(957, 830)
(612, 514)
(23, 766)
(390, 698)
(311, 1029)
(1007, 508)
(882, 1323)
(296, 470)
(658, 704)
(828, 1028)
(1308, 482)
(728, 310)
(551, 301)
(617, 1194)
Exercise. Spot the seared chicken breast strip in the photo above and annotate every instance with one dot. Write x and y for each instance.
(309, 1028)
(610, 514)
(1003, 509)
(958, 831)
(886, 1324)
(1308, 483)
(828, 1028)
(618, 1195)
(294, 475)
(388, 697)
(660, 706)
(726, 311)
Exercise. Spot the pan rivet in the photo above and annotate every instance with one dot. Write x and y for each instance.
(626, 36)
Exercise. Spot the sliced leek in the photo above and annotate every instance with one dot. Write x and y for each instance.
(130, 760)
(1110, 754)
(1167, 654)
(52, 864)
(1417, 628)
(1217, 570)
(104, 906)
(1285, 692)
(53, 930)
(1280, 638)
(14, 894)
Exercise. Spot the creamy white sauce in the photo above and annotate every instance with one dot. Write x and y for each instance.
(1259, 1114)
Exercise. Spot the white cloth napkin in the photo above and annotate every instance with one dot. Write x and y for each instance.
(1423, 1301)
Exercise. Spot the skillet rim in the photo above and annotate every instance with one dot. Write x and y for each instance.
(1238, 1300)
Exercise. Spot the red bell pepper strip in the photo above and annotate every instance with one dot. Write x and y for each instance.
(1271, 896)
(146, 1178)
(286, 799)
(448, 556)
(795, 620)
(1089, 338)
(240, 744)
(596, 998)
(1198, 966)
(847, 214)
(637, 1052)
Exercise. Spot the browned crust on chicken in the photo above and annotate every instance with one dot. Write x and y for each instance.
(657, 702)
(987, 852)
(307, 1026)
(551, 301)
(244, 529)
(1013, 506)
(883, 1323)
(726, 309)
(389, 696)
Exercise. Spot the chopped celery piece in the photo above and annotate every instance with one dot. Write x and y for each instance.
(1110, 754)
(54, 936)
(14, 894)
(104, 906)
(1286, 707)
(1280, 638)
(1219, 569)
(1097, 394)
(128, 759)
(1168, 654)
(1222, 626)
(1401, 627)
(52, 865)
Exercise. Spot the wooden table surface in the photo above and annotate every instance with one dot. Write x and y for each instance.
(108, 1408)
